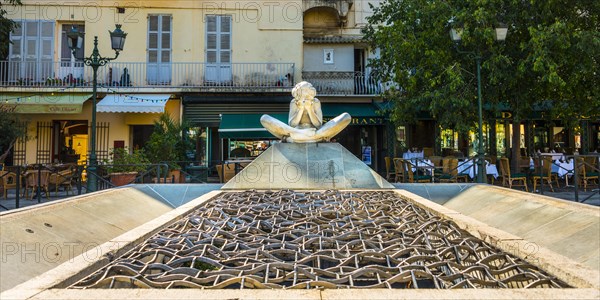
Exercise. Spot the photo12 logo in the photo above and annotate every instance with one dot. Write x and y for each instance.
(135, 11)
(51, 252)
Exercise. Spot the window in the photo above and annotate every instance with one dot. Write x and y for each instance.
(159, 49)
(31, 51)
(218, 49)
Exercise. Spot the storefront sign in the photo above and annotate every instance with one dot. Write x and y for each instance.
(48, 108)
(361, 120)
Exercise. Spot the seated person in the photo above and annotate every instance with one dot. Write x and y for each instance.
(240, 152)
(305, 119)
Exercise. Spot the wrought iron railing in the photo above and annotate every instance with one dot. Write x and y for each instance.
(343, 83)
(147, 75)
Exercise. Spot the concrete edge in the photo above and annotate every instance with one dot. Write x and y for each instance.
(77, 268)
(58, 203)
(549, 200)
(322, 294)
(562, 267)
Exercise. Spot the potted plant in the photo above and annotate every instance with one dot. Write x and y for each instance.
(125, 166)
(167, 145)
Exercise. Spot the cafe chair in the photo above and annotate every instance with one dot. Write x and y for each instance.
(546, 173)
(399, 170)
(437, 163)
(508, 178)
(586, 172)
(410, 174)
(450, 171)
(8, 181)
(62, 178)
(390, 174)
(31, 182)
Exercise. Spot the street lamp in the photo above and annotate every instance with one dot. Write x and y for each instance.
(75, 41)
(499, 35)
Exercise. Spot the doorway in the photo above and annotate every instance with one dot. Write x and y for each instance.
(70, 141)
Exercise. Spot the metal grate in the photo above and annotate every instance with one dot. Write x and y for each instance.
(102, 141)
(20, 147)
(44, 142)
(331, 239)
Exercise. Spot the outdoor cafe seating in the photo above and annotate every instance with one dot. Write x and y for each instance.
(510, 179)
(545, 173)
(63, 178)
(8, 181)
(35, 179)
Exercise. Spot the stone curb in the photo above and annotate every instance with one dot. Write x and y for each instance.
(341, 294)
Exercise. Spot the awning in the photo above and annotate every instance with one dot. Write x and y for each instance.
(246, 126)
(361, 113)
(57, 103)
(354, 109)
(133, 103)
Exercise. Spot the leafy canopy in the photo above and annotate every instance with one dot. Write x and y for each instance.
(6, 26)
(10, 130)
(550, 56)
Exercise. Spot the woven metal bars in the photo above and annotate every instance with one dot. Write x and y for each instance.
(331, 239)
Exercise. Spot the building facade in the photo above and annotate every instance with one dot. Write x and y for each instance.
(216, 65)
(219, 66)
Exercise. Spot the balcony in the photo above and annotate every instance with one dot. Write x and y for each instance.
(171, 77)
(343, 83)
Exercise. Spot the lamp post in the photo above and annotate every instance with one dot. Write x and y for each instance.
(500, 35)
(75, 41)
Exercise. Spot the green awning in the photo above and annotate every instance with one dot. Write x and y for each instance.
(363, 114)
(57, 103)
(354, 109)
(246, 126)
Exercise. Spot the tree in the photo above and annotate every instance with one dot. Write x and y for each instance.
(9, 130)
(6, 26)
(167, 143)
(550, 57)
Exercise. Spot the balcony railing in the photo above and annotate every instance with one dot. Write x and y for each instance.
(343, 83)
(148, 75)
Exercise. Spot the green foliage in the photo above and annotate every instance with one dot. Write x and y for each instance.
(6, 26)
(551, 53)
(10, 130)
(166, 143)
(123, 161)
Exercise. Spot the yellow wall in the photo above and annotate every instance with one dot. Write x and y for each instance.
(118, 130)
(263, 31)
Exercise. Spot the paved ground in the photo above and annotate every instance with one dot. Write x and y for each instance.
(567, 193)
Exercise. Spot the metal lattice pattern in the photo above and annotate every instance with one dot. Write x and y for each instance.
(330, 239)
